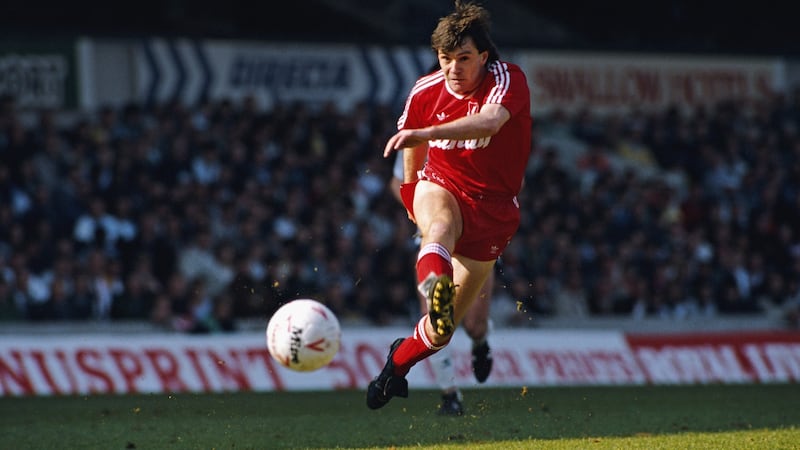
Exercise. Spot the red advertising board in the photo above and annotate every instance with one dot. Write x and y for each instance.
(719, 357)
(621, 82)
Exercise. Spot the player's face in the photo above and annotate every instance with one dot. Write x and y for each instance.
(464, 67)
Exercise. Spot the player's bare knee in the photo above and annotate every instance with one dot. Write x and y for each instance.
(439, 231)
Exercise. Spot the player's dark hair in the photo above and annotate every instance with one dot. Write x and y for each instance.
(467, 20)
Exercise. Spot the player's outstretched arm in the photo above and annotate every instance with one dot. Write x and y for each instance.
(486, 123)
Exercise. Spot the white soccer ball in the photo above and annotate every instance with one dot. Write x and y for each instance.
(303, 335)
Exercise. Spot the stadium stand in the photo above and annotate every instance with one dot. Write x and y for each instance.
(199, 219)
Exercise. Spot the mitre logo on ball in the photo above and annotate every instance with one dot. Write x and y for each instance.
(303, 335)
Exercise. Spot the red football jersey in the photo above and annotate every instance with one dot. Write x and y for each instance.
(490, 166)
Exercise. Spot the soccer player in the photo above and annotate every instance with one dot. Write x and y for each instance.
(476, 324)
(465, 134)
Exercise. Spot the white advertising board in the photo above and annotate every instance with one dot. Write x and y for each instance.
(87, 364)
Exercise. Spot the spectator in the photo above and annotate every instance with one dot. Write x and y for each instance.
(9, 310)
(107, 286)
(199, 261)
(140, 292)
(270, 200)
(96, 226)
(570, 299)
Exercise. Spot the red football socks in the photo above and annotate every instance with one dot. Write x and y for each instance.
(433, 258)
(414, 349)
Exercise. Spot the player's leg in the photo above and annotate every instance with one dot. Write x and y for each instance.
(477, 325)
(438, 217)
(476, 321)
(444, 374)
(439, 220)
(469, 275)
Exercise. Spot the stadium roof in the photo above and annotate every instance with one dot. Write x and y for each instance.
(660, 25)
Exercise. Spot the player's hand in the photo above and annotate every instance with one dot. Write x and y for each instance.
(403, 139)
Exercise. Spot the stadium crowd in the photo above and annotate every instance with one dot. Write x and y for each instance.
(192, 218)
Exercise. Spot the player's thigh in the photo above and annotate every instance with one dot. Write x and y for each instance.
(469, 276)
(433, 204)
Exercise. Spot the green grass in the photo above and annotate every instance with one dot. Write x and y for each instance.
(686, 417)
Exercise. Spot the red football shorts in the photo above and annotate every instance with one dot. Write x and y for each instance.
(489, 223)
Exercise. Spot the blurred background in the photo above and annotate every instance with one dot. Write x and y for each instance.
(190, 166)
(662, 25)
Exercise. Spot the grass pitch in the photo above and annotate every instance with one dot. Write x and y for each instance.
(645, 417)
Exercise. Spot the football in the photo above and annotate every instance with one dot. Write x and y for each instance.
(303, 335)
